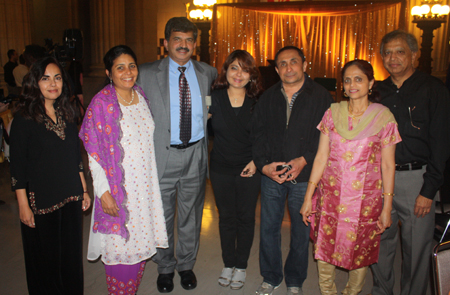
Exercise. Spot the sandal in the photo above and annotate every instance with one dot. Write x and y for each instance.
(238, 280)
(225, 277)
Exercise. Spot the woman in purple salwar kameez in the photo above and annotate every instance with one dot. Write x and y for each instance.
(128, 220)
(353, 180)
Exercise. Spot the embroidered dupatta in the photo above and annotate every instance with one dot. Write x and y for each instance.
(101, 135)
(372, 121)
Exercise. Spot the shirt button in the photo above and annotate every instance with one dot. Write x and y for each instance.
(167, 148)
(168, 130)
(398, 91)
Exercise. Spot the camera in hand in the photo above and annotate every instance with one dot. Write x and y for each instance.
(281, 167)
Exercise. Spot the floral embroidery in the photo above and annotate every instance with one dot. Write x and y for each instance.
(347, 156)
(59, 127)
(52, 208)
(119, 287)
(13, 181)
(351, 236)
(332, 181)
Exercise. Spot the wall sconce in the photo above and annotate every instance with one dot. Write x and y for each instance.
(428, 19)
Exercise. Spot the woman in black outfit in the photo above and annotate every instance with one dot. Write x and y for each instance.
(234, 177)
(47, 176)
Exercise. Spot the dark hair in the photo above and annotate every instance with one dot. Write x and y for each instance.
(247, 63)
(180, 24)
(21, 59)
(410, 39)
(367, 70)
(111, 56)
(299, 51)
(32, 53)
(10, 53)
(32, 102)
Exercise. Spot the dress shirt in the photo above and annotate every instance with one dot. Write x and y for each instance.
(421, 107)
(196, 102)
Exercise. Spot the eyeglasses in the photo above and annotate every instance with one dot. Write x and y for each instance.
(410, 117)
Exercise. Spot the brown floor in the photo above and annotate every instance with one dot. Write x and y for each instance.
(209, 263)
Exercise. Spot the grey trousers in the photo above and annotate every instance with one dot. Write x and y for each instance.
(183, 192)
(416, 238)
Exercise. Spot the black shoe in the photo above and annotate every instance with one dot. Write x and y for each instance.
(188, 279)
(165, 282)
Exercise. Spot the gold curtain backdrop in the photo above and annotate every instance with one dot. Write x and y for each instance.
(329, 35)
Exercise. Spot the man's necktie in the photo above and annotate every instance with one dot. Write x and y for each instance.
(185, 108)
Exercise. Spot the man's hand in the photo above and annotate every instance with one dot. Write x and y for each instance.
(422, 206)
(297, 165)
(270, 170)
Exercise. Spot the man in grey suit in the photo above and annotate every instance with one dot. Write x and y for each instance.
(181, 156)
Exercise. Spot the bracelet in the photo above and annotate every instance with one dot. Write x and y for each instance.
(85, 192)
(312, 183)
(388, 194)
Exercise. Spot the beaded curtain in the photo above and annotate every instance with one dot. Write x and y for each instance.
(327, 41)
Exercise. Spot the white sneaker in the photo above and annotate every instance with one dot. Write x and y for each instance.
(266, 289)
(294, 291)
(238, 280)
(225, 276)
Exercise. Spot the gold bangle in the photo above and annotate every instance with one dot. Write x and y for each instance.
(388, 194)
(312, 183)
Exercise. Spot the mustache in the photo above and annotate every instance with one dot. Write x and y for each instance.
(183, 48)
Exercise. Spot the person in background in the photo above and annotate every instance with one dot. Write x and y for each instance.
(177, 88)
(128, 218)
(421, 106)
(353, 177)
(20, 71)
(8, 68)
(47, 177)
(235, 180)
(284, 144)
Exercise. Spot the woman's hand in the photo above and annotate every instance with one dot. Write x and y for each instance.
(109, 205)
(306, 211)
(86, 201)
(384, 221)
(249, 170)
(26, 216)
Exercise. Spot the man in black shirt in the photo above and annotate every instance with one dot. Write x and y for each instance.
(9, 67)
(284, 133)
(421, 106)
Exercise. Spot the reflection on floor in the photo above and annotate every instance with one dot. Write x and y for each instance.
(208, 267)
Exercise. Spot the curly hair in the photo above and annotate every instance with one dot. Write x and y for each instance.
(367, 69)
(32, 102)
(254, 87)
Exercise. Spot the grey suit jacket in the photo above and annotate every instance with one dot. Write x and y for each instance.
(154, 80)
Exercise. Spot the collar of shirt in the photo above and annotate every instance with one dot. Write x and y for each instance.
(173, 66)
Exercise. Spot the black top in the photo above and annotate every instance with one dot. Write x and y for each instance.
(273, 141)
(232, 149)
(8, 70)
(422, 110)
(44, 163)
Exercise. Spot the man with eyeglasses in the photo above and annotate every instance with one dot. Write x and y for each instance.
(421, 106)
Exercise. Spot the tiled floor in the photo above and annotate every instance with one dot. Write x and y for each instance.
(208, 266)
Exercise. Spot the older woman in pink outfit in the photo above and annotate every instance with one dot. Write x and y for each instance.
(353, 181)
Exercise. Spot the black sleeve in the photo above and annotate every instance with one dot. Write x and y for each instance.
(19, 138)
(438, 140)
(258, 136)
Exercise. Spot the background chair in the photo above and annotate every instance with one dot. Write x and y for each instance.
(441, 264)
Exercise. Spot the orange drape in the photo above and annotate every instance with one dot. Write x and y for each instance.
(343, 32)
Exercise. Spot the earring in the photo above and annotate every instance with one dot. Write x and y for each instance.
(110, 80)
(370, 91)
(345, 94)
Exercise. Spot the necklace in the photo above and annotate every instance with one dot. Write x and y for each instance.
(132, 97)
(354, 117)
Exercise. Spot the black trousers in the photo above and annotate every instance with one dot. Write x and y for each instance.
(53, 252)
(236, 198)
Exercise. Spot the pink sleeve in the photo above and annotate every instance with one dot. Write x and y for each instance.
(325, 125)
(389, 135)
